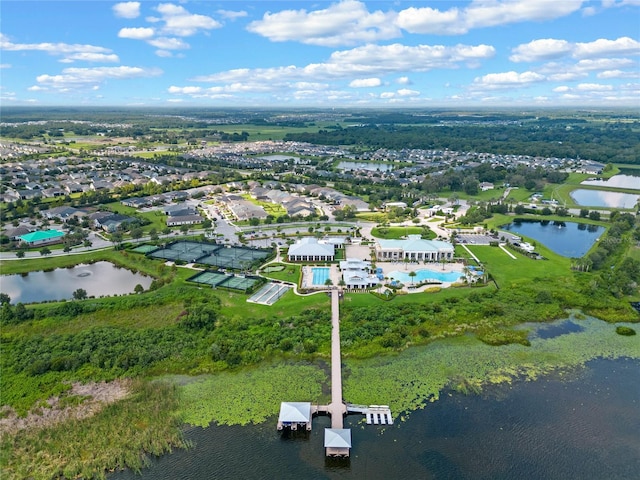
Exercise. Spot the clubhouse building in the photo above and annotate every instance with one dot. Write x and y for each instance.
(413, 249)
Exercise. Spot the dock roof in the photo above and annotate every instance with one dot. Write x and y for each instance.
(295, 412)
(337, 438)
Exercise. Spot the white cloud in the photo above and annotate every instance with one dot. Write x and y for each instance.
(619, 74)
(36, 88)
(405, 92)
(550, 48)
(561, 89)
(137, 33)
(178, 21)
(68, 52)
(594, 87)
(74, 78)
(231, 15)
(127, 9)
(404, 81)
(366, 61)
(164, 53)
(543, 49)
(185, 90)
(432, 21)
(344, 23)
(604, 47)
(5, 65)
(506, 80)
(365, 82)
(166, 43)
(481, 14)
(91, 57)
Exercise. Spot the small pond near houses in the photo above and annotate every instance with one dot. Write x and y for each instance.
(569, 239)
(98, 279)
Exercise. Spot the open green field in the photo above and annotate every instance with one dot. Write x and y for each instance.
(395, 233)
(271, 132)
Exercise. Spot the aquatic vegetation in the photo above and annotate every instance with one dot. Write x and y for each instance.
(248, 396)
(412, 378)
(622, 330)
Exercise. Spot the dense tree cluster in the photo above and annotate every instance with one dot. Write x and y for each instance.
(611, 142)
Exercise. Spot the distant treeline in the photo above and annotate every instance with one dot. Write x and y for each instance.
(610, 143)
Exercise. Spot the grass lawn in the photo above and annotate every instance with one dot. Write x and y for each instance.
(509, 272)
(236, 308)
(291, 273)
(395, 233)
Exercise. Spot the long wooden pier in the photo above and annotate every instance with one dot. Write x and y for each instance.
(337, 439)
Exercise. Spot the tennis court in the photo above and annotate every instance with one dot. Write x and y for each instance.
(239, 283)
(209, 278)
(145, 248)
(234, 257)
(210, 254)
(189, 252)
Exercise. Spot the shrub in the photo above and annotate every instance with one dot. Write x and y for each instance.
(622, 330)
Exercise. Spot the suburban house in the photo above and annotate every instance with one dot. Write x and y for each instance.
(309, 249)
(109, 221)
(62, 212)
(484, 186)
(413, 249)
(42, 237)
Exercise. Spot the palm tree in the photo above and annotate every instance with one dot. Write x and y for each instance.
(412, 274)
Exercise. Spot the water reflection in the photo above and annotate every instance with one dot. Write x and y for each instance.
(619, 181)
(569, 239)
(97, 279)
(601, 198)
(368, 166)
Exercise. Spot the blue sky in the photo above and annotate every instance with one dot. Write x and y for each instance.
(321, 54)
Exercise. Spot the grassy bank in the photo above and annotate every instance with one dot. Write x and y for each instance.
(121, 435)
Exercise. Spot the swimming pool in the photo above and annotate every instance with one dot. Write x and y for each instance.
(425, 274)
(320, 275)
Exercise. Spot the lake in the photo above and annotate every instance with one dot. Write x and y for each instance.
(569, 239)
(601, 198)
(98, 279)
(580, 424)
(368, 166)
(619, 181)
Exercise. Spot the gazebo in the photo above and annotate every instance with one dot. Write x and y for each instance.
(294, 415)
(337, 442)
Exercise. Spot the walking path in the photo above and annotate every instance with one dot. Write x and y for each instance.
(337, 409)
(507, 252)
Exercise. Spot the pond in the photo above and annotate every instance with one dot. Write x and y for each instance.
(618, 181)
(281, 158)
(601, 198)
(98, 279)
(368, 166)
(569, 239)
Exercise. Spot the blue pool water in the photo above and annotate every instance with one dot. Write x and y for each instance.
(320, 275)
(425, 274)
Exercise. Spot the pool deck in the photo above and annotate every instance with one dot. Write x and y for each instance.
(388, 267)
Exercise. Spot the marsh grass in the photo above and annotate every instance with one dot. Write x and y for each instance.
(121, 435)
